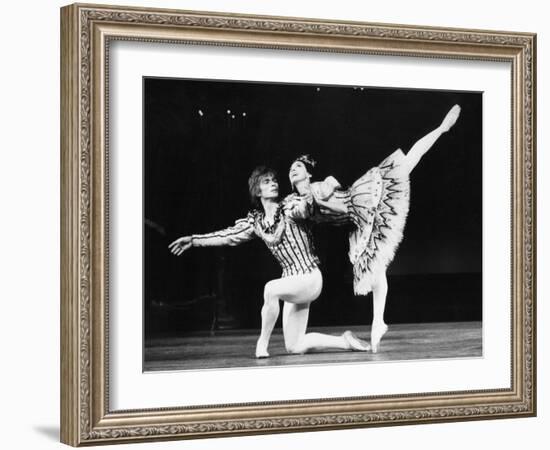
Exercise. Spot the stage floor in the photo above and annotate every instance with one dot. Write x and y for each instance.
(231, 349)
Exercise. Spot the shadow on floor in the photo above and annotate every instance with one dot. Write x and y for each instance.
(51, 432)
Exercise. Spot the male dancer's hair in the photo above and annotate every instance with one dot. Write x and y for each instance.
(254, 183)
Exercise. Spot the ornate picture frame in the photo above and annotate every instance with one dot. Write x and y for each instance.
(87, 31)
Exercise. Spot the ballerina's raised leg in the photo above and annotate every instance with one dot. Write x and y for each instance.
(421, 147)
(410, 161)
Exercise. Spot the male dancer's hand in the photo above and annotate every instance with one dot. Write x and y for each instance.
(180, 245)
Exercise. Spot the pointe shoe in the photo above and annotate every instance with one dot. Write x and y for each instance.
(451, 118)
(261, 351)
(355, 343)
(376, 334)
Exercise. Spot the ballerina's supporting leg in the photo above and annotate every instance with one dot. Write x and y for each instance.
(379, 327)
(412, 158)
(419, 149)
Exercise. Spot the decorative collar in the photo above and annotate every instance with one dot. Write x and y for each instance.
(270, 234)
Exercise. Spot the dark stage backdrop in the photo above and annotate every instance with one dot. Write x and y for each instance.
(203, 138)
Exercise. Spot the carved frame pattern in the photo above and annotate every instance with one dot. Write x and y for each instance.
(94, 423)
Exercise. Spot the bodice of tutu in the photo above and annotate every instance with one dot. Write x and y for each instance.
(376, 205)
(339, 206)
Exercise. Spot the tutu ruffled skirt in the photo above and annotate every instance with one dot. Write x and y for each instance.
(378, 205)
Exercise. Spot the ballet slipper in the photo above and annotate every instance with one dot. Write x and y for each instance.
(261, 350)
(355, 343)
(451, 118)
(376, 334)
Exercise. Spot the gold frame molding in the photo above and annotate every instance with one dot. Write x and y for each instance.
(86, 31)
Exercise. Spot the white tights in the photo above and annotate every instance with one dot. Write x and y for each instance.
(419, 149)
(297, 292)
(412, 158)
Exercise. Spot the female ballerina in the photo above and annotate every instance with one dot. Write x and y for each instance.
(377, 205)
(288, 237)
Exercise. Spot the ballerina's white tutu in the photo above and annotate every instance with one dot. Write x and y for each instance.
(377, 204)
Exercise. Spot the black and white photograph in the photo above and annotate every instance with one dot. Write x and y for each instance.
(242, 225)
(296, 224)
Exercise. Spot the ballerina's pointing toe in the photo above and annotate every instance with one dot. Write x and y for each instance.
(377, 205)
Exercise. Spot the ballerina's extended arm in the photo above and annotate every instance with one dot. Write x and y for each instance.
(332, 206)
(326, 196)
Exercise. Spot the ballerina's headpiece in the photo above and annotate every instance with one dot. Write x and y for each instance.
(307, 161)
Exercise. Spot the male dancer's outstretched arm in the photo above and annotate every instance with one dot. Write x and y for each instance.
(242, 231)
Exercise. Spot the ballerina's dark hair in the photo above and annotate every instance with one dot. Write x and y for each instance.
(307, 161)
(254, 183)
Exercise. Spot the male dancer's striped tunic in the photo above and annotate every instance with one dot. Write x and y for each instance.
(290, 243)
